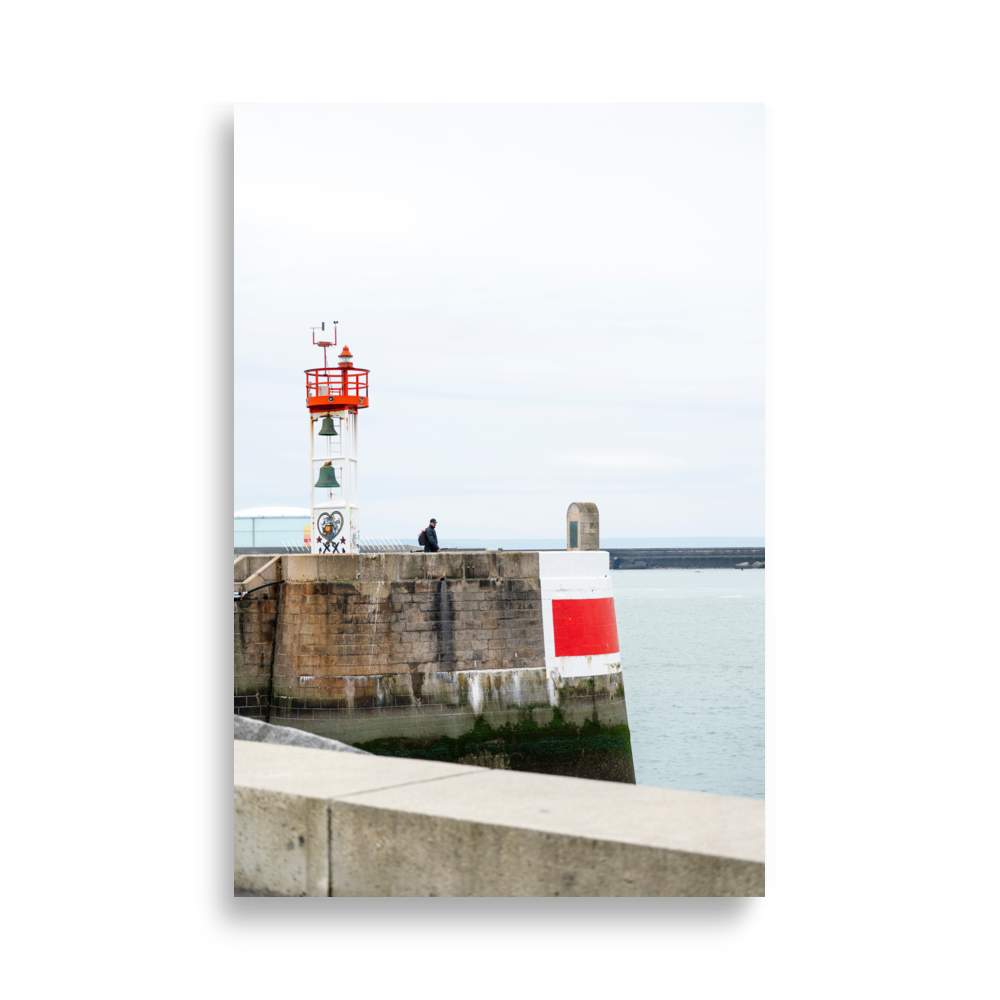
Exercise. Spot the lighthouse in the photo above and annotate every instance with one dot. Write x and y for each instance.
(334, 396)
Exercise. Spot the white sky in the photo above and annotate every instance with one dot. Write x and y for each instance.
(557, 303)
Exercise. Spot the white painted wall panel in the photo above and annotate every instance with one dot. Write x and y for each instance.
(574, 576)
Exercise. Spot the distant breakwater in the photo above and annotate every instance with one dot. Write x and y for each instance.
(685, 558)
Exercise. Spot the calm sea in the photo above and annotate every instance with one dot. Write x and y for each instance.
(692, 645)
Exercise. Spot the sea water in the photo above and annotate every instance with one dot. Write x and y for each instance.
(692, 644)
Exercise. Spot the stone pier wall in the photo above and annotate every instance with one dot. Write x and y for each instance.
(255, 622)
(440, 655)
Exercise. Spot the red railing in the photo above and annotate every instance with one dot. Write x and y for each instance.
(325, 382)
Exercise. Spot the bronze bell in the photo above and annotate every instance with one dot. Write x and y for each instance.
(328, 430)
(327, 477)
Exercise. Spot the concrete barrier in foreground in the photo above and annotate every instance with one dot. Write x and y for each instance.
(313, 823)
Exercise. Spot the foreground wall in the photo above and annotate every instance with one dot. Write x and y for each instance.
(314, 823)
(507, 660)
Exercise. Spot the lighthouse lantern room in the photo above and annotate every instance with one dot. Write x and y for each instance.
(334, 396)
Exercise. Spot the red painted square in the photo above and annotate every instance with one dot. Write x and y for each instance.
(585, 627)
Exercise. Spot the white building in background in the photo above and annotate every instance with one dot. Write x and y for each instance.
(271, 527)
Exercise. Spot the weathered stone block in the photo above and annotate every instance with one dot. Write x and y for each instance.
(518, 566)
(479, 565)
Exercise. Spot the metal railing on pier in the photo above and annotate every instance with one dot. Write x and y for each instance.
(378, 543)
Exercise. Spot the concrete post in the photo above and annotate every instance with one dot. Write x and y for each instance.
(583, 532)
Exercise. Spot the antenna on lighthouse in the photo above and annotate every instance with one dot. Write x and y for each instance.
(324, 343)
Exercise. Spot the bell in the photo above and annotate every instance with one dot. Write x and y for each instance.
(328, 429)
(327, 478)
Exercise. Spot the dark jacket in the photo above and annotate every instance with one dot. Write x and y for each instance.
(432, 539)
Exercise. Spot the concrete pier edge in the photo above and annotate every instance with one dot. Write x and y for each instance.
(313, 823)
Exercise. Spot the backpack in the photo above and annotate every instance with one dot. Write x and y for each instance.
(422, 538)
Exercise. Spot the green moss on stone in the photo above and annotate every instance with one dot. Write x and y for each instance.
(557, 747)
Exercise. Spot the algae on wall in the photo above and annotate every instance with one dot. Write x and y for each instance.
(592, 750)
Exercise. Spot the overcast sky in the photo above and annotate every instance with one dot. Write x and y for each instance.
(557, 303)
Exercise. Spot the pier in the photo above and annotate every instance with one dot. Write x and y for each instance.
(694, 558)
(505, 660)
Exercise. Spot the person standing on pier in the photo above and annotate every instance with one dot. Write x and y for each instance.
(430, 537)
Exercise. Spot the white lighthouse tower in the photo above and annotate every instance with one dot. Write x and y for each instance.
(334, 396)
